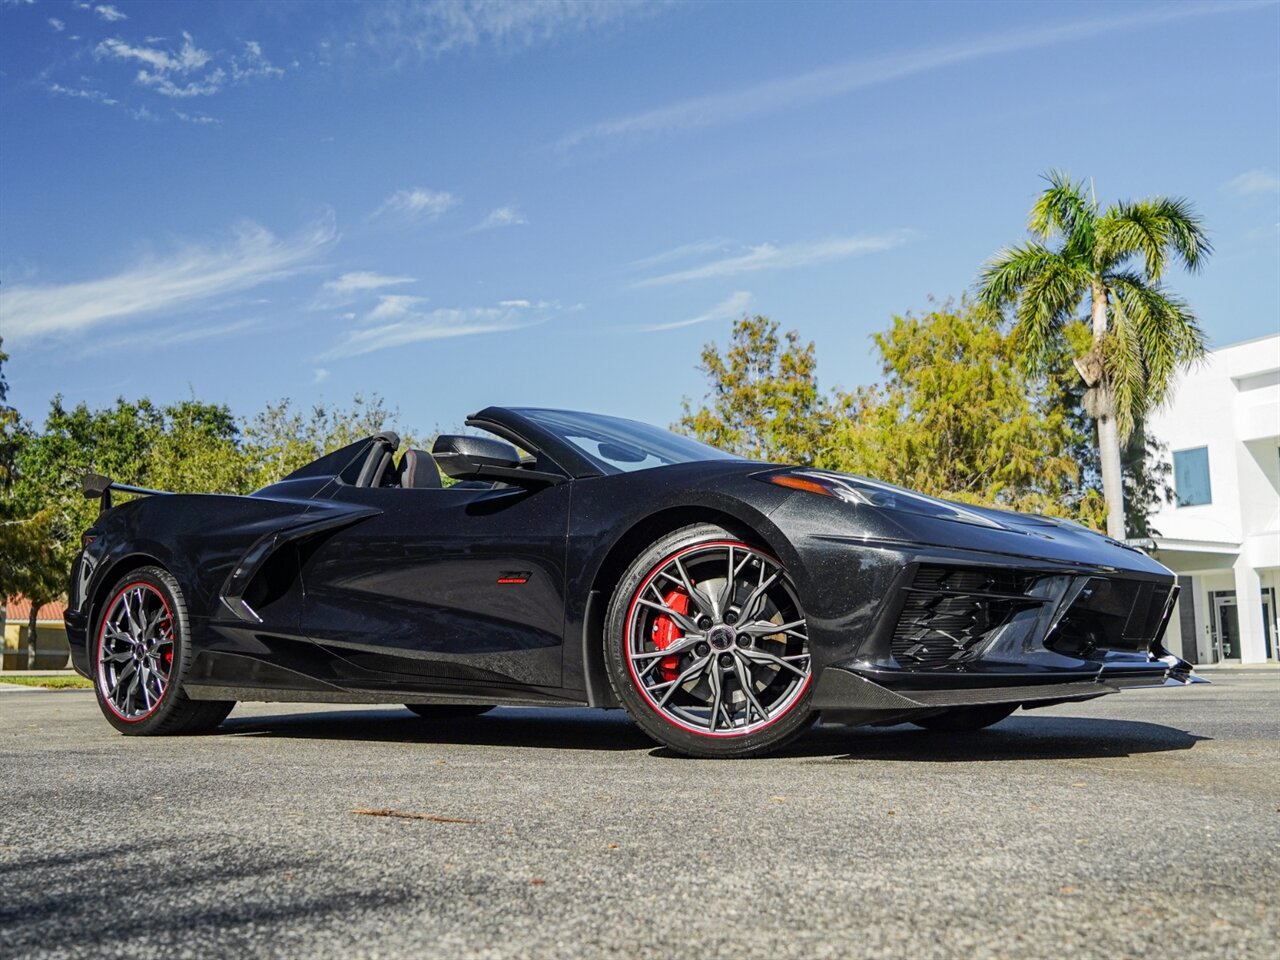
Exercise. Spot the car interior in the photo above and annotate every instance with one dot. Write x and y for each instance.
(418, 469)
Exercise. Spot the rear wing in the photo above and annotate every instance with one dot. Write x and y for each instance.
(97, 487)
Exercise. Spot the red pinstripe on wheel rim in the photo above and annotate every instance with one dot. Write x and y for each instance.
(134, 651)
(723, 653)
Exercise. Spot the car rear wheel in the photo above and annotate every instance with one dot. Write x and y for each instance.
(965, 719)
(707, 646)
(141, 653)
(448, 711)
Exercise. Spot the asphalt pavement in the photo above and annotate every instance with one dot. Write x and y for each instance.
(1141, 824)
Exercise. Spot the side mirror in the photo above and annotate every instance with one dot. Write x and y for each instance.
(485, 458)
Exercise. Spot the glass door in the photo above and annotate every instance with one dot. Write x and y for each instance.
(1269, 623)
(1228, 628)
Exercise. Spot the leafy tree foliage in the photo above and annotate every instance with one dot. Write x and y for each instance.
(28, 551)
(281, 438)
(1113, 261)
(10, 425)
(764, 402)
(957, 414)
(14, 539)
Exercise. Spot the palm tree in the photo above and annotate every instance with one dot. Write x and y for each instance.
(1113, 260)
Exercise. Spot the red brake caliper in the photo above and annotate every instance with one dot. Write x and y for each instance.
(167, 627)
(665, 631)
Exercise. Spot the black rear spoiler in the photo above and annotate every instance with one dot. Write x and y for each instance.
(98, 487)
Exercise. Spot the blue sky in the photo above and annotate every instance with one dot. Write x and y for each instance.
(559, 203)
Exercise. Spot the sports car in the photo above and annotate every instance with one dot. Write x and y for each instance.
(558, 558)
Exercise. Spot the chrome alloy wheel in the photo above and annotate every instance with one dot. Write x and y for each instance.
(135, 651)
(716, 640)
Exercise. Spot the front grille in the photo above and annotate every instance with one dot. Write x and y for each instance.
(950, 611)
(1111, 614)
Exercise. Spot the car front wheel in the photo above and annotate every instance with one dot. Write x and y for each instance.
(707, 646)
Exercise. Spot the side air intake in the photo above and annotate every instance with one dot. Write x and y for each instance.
(951, 611)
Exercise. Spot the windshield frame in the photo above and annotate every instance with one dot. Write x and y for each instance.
(569, 427)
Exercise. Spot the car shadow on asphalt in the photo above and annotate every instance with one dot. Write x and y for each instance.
(1020, 737)
(554, 728)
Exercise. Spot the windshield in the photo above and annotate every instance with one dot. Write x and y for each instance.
(621, 446)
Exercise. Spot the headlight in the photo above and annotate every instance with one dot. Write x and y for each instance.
(872, 493)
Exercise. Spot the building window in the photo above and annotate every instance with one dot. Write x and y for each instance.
(1191, 477)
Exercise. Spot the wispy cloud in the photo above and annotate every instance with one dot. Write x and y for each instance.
(768, 257)
(187, 58)
(167, 71)
(250, 64)
(81, 93)
(683, 252)
(785, 93)
(193, 275)
(199, 119)
(351, 286)
(397, 322)
(501, 217)
(393, 306)
(153, 339)
(188, 71)
(58, 25)
(425, 30)
(416, 203)
(732, 307)
(1253, 182)
(320, 375)
(109, 13)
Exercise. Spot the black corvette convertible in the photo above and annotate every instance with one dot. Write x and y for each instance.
(576, 559)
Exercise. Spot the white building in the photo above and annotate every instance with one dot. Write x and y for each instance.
(1222, 533)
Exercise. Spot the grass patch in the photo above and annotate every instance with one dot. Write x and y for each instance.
(76, 682)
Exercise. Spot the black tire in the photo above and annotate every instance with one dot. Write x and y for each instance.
(967, 719)
(782, 703)
(448, 711)
(167, 641)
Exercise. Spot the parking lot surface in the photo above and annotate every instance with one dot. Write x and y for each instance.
(1143, 824)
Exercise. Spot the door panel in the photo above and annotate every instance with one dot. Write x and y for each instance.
(449, 585)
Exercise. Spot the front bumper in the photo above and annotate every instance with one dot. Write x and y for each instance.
(866, 693)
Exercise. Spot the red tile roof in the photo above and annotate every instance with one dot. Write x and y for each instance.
(19, 609)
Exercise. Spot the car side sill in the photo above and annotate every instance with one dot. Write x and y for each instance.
(209, 691)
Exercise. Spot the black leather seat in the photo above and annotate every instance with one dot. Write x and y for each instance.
(418, 471)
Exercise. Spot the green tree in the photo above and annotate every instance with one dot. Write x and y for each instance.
(955, 416)
(281, 438)
(1113, 260)
(12, 544)
(27, 548)
(10, 427)
(198, 448)
(764, 401)
(958, 416)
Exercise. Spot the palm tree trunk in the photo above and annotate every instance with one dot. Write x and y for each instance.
(1108, 435)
